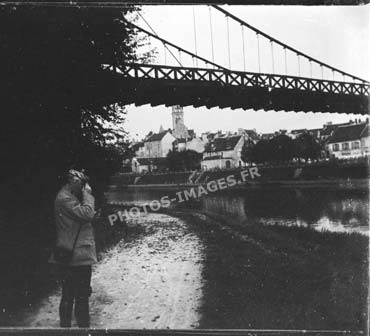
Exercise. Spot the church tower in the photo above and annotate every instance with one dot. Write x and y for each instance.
(180, 131)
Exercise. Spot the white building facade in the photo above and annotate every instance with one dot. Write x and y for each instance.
(223, 153)
(350, 141)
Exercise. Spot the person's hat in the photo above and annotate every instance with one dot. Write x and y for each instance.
(77, 174)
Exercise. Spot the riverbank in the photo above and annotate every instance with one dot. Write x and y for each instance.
(151, 279)
(323, 172)
(319, 183)
(276, 277)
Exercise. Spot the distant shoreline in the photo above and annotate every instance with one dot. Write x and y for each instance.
(360, 183)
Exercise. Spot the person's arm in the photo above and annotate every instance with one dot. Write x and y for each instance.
(82, 211)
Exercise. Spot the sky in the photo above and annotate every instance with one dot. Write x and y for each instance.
(337, 35)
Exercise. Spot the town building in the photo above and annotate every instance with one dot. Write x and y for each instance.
(179, 130)
(349, 141)
(329, 128)
(159, 144)
(223, 152)
(139, 149)
(196, 144)
(250, 134)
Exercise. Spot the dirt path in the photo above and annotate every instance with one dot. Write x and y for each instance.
(152, 280)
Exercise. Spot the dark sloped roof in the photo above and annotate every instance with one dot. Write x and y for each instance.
(143, 161)
(252, 134)
(348, 133)
(156, 136)
(328, 129)
(136, 146)
(365, 132)
(223, 144)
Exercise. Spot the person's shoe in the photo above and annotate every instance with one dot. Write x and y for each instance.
(82, 312)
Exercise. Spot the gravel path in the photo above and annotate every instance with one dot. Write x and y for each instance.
(151, 280)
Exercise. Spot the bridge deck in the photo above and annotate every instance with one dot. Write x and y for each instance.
(156, 85)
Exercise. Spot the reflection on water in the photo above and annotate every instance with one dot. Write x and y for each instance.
(331, 209)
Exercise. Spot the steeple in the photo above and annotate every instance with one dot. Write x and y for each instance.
(179, 129)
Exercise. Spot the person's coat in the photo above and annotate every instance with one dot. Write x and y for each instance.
(70, 213)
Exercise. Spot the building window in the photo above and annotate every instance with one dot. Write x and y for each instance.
(345, 146)
(336, 147)
(355, 145)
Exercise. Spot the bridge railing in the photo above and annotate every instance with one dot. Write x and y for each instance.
(239, 78)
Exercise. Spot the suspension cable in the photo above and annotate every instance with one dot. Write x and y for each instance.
(228, 40)
(286, 62)
(299, 66)
(165, 54)
(285, 45)
(195, 36)
(310, 68)
(243, 47)
(211, 29)
(272, 56)
(164, 44)
(176, 46)
(258, 51)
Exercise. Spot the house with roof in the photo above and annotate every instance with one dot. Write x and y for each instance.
(349, 141)
(197, 144)
(329, 129)
(250, 134)
(223, 152)
(138, 148)
(150, 153)
(159, 144)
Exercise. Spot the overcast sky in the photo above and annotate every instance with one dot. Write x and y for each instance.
(337, 35)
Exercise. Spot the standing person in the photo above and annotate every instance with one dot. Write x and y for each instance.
(75, 250)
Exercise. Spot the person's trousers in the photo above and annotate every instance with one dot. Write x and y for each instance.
(76, 290)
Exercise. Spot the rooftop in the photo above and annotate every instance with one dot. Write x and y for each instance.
(349, 133)
(223, 144)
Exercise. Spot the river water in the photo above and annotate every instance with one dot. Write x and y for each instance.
(331, 208)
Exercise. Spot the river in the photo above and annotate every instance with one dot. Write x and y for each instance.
(332, 208)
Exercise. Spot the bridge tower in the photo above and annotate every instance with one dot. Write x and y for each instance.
(180, 131)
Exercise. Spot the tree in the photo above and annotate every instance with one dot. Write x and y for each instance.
(58, 107)
(282, 148)
(247, 151)
(307, 147)
(184, 160)
(261, 152)
(55, 94)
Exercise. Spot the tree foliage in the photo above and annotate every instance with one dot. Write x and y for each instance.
(55, 94)
(183, 160)
(59, 107)
(281, 149)
(307, 147)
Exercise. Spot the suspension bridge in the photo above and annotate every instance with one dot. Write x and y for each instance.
(308, 85)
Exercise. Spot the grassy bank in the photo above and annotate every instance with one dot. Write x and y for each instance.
(280, 277)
